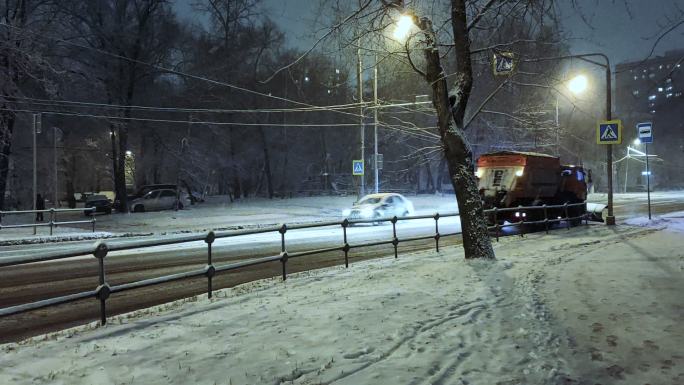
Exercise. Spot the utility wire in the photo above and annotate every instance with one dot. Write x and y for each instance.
(70, 103)
(168, 70)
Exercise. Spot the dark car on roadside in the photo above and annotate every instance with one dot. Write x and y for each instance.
(100, 203)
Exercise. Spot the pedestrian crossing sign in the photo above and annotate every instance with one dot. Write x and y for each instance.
(357, 167)
(609, 132)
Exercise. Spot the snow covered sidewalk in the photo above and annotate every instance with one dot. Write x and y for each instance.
(589, 305)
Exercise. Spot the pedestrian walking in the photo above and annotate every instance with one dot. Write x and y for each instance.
(40, 205)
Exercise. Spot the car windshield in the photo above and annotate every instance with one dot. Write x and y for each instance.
(369, 201)
(97, 198)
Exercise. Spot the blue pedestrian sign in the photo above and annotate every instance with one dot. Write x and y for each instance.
(503, 63)
(357, 167)
(645, 132)
(609, 132)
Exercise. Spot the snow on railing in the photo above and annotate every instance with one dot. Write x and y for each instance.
(104, 289)
(52, 223)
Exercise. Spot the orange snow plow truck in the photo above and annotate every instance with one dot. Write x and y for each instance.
(510, 179)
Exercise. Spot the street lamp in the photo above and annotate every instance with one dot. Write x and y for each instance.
(578, 84)
(403, 27)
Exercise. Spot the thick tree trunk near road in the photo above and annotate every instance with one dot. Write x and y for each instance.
(476, 241)
(120, 174)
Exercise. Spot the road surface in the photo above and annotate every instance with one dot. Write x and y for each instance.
(27, 283)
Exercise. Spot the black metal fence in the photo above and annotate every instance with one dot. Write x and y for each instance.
(103, 291)
(52, 222)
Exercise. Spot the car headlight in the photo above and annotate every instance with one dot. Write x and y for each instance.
(367, 212)
(346, 212)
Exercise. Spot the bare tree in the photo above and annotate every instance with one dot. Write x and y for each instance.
(133, 34)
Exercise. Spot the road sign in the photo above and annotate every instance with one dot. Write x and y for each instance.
(357, 167)
(503, 63)
(609, 132)
(645, 132)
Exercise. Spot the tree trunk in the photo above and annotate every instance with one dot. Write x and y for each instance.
(7, 120)
(236, 186)
(267, 163)
(476, 242)
(120, 171)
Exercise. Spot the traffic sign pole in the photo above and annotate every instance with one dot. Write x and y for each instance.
(648, 184)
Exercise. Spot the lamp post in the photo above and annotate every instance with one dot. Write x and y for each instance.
(579, 84)
(401, 32)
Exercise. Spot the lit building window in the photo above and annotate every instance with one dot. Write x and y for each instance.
(660, 67)
(669, 88)
(635, 92)
(651, 75)
(660, 89)
(651, 104)
(668, 95)
(636, 77)
(651, 97)
(668, 80)
(678, 94)
(653, 111)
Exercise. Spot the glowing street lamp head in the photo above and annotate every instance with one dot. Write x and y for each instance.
(578, 84)
(403, 28)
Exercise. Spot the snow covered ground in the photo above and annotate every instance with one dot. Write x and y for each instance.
(585, 306)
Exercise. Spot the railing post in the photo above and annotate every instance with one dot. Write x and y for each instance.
(103, 290)
(345, 224)
(210, 269)
(567, 217)
(283, 252)
(395, 240)
(586, 214)
(546, 218)
(522, 222)
(93, 220)
(496, 223)
(52, 219)
(436, 216)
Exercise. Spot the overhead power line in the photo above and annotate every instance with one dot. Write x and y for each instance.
(168, 70)
(77, 104)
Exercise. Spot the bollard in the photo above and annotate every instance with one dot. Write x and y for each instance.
(103, 290)
(436, 216)
(210, 269)
(395, 240)
(567, 217)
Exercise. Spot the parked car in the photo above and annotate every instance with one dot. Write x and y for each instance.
(384, 205)
(162, 199)
(101, 203)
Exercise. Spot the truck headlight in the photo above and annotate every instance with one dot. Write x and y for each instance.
(367, 212)
(519, 172)
(346, 212)
(479, 173)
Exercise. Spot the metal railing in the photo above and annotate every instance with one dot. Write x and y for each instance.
(52, 223)
(103, 291)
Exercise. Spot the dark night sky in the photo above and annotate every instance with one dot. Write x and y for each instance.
(613, 31)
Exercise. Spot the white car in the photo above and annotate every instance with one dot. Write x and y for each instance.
(375, 206)
(162, 199)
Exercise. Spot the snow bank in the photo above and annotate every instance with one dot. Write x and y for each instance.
(544, 313)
